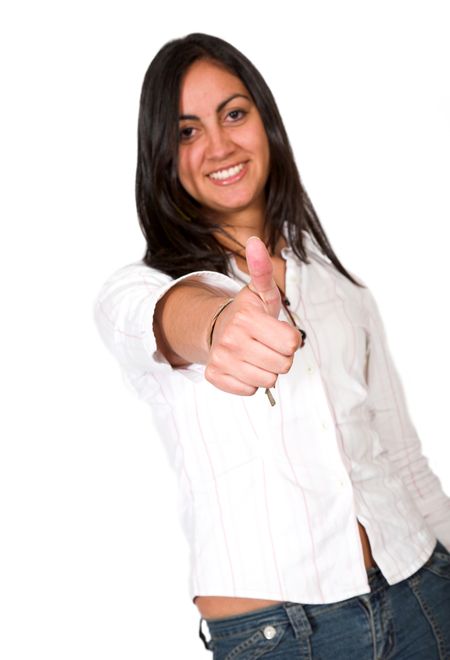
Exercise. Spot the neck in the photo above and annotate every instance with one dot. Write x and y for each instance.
(240, 225)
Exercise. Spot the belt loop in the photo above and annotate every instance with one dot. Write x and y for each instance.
(208, 645)
(299, 620)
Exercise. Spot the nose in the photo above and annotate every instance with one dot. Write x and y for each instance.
(219, 144)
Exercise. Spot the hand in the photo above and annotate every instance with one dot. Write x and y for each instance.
(250, 346)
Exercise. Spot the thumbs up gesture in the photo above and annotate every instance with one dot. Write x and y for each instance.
(250, 346)
(261, 272)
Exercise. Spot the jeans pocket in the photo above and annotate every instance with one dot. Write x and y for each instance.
(249, 642)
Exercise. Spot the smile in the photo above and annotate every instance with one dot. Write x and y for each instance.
(229, 175)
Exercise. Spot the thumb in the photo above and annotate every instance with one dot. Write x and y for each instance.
(260, 269)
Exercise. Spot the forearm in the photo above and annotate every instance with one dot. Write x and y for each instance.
(182, 321)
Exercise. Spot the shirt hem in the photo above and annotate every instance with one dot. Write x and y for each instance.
(416, 566)
(288, 598)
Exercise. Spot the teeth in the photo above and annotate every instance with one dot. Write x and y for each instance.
(226, 174)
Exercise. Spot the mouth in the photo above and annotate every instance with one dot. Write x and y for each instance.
(228, 175)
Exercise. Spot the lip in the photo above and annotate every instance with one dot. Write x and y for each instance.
(231, 179)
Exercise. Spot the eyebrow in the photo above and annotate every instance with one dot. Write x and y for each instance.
(219, 107)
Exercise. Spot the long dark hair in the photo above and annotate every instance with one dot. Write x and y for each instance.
(179, 240)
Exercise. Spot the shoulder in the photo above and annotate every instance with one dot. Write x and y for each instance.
(138, 270)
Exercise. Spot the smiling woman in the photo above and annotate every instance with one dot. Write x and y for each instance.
(224, 151)
(316, 526)
(181, 234)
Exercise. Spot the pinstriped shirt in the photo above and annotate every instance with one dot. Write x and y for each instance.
(269, 497)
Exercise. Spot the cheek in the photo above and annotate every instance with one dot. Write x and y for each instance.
(183, 170)
(265, 155)
(188, 169)
(260, 139)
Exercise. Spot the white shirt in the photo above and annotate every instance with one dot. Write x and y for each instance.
(269, 497)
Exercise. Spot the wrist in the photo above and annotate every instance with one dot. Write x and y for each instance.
(212, 323)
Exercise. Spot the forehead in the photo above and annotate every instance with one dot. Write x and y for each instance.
(205, 84)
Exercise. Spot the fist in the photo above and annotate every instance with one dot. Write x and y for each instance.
(250, 346)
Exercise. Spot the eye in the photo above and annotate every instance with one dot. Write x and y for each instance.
(235, 115)
(186, 133)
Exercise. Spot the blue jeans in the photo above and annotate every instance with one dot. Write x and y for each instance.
(409, 620)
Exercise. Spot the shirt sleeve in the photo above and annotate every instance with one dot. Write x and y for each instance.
(391, 420)
(123, 313)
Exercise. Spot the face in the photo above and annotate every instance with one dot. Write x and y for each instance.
(223, 157)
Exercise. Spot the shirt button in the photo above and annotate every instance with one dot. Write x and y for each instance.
(269, 632)
(324, 426)
(310, 369)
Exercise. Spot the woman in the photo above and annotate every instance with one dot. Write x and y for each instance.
(316, 526)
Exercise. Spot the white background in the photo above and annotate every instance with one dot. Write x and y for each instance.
(93, 563)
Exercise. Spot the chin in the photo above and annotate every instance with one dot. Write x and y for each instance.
(233, 205)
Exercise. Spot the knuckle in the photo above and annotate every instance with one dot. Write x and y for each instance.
(227, 340)
(210, 373)
(287, 364)
(271, 380)
(293, 340)
(289, 347)
(215, 353)
(240, 317)
(220, 357)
